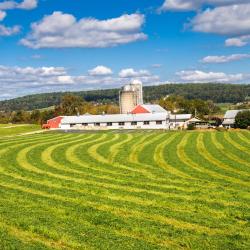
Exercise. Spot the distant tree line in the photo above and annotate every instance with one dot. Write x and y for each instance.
(76, 105)
(197, 107)
(218, 93)
(69, 105)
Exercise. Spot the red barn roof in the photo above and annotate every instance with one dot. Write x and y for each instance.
(148, 108)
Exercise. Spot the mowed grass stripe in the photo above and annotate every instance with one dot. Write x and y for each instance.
(162, 163)
(125, 189)
(137, 205)
(141, 170)
(227, 153)
(198, 151)
(210, 153)
(238, 146)
(122, 233)
(124, 212)
(242, 136)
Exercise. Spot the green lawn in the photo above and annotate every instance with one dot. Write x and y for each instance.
(14, 129)
(140, 190)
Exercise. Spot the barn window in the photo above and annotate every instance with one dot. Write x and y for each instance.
(159, 122)
(109, 124)
(146, 123)
(97, 124)
(121, 123)
(133, 123)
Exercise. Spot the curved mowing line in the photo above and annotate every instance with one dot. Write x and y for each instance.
(243, 138)
(72, 158)
(28, 236)
(227, 154)
(5, 150)
(140, 202)
(235, 144)
(22, 161)
(160, 159)
(133, 233)
(13, 142)
(206, 155)
(92, 151)
(125, 188)
(125, 213)
(70, 154)
(122, 188)
(137, 147)
(33, 138)
(46, 155)
(189, 162)
(114, 149)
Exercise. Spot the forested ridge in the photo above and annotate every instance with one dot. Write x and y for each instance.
(218, 93)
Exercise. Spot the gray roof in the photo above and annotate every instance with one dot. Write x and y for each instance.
(231, 114)
(180, 116)
(114, 118)
(154, 108)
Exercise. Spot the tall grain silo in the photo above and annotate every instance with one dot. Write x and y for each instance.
(128, 99)
(137, 85)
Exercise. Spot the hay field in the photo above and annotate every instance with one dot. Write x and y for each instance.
(134, 190)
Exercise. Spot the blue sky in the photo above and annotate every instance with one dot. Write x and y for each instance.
(48, 45)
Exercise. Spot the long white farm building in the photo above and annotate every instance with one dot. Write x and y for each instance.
(134, 115)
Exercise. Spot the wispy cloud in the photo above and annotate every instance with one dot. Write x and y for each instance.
(225, 59)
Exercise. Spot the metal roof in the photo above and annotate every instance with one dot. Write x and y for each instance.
(114, 118)
(180, 116)
(154, 108)
(231, 114)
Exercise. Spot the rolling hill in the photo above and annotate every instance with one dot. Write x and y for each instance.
(219, 93)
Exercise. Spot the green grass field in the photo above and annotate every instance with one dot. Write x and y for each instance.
(14, 129)
(141, 190)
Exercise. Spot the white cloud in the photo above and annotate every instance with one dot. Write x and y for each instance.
(17, 81)
(28, 4)
(187, 5)
(25, 4)
(224, 59)
(198, 76)
(61, 30)
(227, 20)
(2, 15)
(8, 5)
(9, 31)
(100, 71)
(131, 73)
(238, 41)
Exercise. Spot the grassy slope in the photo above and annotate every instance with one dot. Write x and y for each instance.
(142, 190)
(11, 130)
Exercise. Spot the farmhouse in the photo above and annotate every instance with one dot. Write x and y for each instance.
(134, 115)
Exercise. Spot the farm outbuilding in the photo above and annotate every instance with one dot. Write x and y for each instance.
(229, 118)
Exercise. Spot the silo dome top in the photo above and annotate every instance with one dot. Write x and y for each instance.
(128, 88)
(136, 82)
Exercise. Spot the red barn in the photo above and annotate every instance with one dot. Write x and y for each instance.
(148, 108)
(53, 123)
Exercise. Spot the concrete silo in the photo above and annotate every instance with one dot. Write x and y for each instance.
(128, 99)
(137, 85)
(131, 95)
